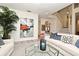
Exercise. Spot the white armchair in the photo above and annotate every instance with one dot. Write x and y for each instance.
(7, 48)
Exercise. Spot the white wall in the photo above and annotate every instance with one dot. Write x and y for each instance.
(21, 14)
(55, 25)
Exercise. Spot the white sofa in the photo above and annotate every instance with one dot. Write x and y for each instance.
(64, 48)
(7, 48)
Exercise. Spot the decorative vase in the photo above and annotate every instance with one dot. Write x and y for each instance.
(42, 44)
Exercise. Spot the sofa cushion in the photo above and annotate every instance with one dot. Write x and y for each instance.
(77, 43)
(67, 39)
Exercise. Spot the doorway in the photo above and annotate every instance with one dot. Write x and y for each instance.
(77, 23)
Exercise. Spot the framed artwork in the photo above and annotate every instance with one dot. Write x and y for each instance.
(66, 21)
(26, 27)
(47, 27)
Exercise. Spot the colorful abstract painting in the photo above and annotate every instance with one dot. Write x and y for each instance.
(26, 27)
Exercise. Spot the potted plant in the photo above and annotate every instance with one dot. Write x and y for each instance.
(7, 20)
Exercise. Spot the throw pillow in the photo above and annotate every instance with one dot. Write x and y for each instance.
(77, 43)
(51, 35)
(58, 37)
(67, 39)
(55, 36)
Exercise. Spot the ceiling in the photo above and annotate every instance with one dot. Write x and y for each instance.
(43, 9)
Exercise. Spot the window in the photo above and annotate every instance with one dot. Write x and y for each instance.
(76, 5)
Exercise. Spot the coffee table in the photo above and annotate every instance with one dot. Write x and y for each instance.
(34, 50)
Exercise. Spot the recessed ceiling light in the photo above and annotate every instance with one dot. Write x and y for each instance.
(29, 11)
